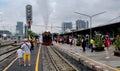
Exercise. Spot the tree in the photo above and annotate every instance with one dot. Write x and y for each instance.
(32, 34)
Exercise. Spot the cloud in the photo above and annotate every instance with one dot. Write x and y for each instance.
(58, 11)
(15, 11)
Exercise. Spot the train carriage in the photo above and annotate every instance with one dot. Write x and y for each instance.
(47, 38)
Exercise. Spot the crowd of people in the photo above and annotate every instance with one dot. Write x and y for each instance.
(87, 42)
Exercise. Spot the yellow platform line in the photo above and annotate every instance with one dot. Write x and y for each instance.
(10, 64)
(115, 69)
(37, 59)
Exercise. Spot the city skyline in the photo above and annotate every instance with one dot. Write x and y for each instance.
(58, 12)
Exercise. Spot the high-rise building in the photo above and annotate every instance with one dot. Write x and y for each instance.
(66, 26)
(19, 28)
(81, 24)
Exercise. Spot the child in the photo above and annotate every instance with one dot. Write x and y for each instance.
(20, 56)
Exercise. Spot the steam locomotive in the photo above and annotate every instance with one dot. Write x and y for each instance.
(47, 38)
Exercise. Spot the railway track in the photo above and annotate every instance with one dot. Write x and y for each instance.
(8, 48)
(7, 54)
(53, 61)
(6, 43)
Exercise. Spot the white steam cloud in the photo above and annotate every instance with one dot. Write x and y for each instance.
(45, 10)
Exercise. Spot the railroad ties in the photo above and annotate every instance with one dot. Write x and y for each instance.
(52, 60)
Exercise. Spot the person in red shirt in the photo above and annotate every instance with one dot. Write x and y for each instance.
(58, 39)
(107, 44)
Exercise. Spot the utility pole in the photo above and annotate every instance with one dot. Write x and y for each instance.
(90, 17)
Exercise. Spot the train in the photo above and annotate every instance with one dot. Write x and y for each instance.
(47, 38)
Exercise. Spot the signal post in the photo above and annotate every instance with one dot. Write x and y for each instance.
(28, 19)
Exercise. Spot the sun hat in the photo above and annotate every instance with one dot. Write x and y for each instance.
(25, 39)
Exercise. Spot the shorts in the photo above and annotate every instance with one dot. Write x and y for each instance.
(20, 60)
(27, 56)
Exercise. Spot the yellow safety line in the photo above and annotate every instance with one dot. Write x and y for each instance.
(10, 64)
(37, 59)
(100, 63)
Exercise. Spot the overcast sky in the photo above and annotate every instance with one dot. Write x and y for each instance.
(47, 12)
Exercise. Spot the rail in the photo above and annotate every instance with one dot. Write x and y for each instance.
(59, 62)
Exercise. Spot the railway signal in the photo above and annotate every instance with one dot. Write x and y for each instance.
(29, 18)
(29, 13)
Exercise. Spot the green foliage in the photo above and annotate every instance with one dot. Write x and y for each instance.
(32, 34)
(117, 42)
(78, 40)
(98, 40)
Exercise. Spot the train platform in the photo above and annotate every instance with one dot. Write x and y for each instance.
(98, 57)
(14, 65)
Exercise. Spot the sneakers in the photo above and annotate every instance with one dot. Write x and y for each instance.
(24, 64)
(29, 64)
(107, 57)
